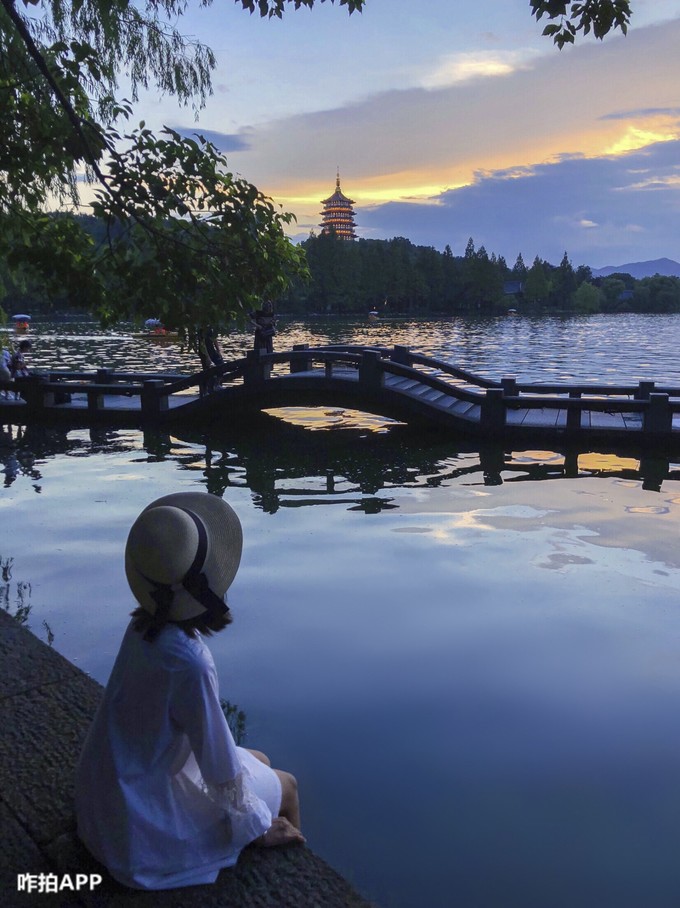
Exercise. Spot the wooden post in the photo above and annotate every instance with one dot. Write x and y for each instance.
(571, 463)
(95, 400)
(371, 371)
(653, 471)
(32, 389)
(645, 388)
(300, 363)
(157, 443)
(492, 462)
(509, 386)
(574, 413)
(402, 355)
(658, 416)
(253, 372)
(493, 410)
(152, 398)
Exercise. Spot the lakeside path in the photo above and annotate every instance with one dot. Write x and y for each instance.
(46, 705)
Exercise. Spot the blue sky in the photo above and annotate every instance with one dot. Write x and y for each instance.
(449, 120)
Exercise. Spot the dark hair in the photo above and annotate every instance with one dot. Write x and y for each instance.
(150, 627)
(25, 345)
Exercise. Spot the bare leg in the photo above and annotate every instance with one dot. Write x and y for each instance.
(285, 829)
(290, 802)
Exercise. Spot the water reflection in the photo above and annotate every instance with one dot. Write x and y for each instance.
(506, 640)
(524, 627)
(361, 464)
(22, 448)
(15, 599)
(286, 466)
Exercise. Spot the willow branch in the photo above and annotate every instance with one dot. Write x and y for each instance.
(39, 60)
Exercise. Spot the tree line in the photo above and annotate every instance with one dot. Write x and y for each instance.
(396, 276)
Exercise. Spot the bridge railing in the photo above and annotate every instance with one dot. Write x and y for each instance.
(302, 358)
(365, 368)
(432, 381)
(406, 357)
(495, 399)
(41, 390)
(655, 405)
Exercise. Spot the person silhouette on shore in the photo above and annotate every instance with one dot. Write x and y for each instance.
(18, 367)
(264, 323)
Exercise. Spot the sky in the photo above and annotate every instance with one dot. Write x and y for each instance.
(452, 120)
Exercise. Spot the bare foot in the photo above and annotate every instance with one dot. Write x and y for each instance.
(281, 832)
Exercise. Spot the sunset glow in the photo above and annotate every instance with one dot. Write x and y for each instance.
(446, 129)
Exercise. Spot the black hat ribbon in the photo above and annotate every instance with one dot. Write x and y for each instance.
(194, 581)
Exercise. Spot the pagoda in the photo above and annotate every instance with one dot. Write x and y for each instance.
(338, 214)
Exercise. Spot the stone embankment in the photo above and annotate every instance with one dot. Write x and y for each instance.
(46, 704)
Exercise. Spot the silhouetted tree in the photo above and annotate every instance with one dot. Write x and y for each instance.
(519, 269)
(537, 285)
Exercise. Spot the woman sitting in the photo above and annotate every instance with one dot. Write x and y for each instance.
(164, 797)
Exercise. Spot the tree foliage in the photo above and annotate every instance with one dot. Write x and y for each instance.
(598, 16)
(587, 298)
(538, 283)
(271, 8)
(185, 240)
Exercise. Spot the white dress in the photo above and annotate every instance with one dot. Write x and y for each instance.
(164, 797)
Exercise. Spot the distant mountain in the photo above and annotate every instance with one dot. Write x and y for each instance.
(667, 267)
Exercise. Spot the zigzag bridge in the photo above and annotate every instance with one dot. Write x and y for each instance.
(395, 382)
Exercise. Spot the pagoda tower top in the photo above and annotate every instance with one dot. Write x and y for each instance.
(338, 214)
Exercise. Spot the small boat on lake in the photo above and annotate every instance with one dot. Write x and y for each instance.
(21, 322)
(154, 327)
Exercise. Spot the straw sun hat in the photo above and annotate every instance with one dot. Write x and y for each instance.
(182, 554)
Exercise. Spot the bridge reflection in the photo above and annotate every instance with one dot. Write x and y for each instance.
(289, 466)
(295, 468)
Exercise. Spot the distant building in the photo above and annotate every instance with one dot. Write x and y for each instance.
(338, 214)
(513, 288)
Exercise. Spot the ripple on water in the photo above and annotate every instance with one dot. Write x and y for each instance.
(623, 348)
(648, 509)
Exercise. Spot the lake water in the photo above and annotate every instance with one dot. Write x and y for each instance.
(587, 348)
(470, 660)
